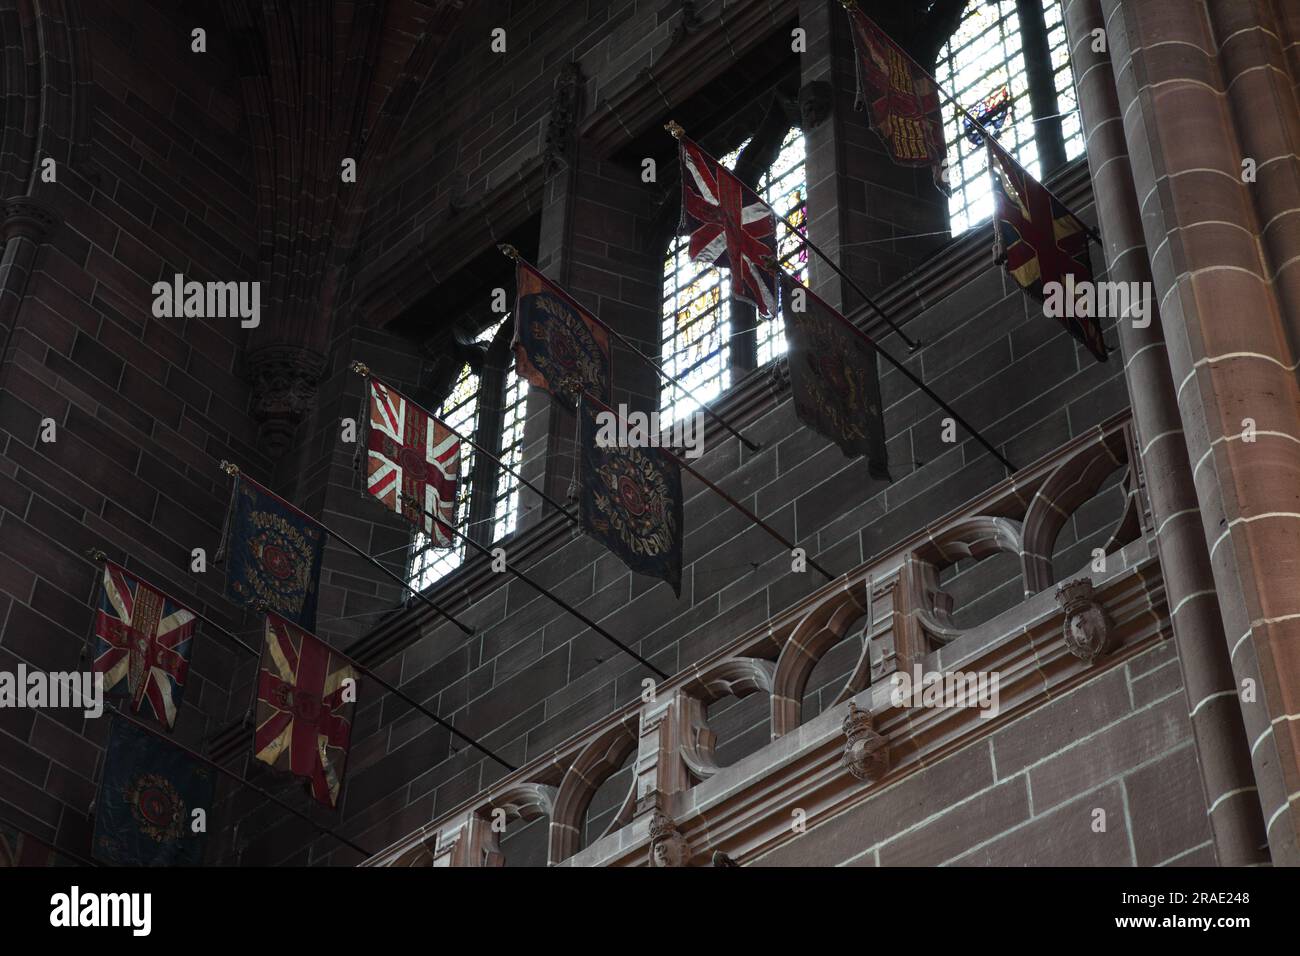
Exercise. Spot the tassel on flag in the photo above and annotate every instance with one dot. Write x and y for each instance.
(728, 225)
(143, 640)
(901, 99)
(412, 455)
(1041, 242)
(305, 697)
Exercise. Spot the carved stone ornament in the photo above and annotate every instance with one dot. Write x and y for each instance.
(564, 118)
(667, 845)
(1088, 630)
(814, 103)
(284, 381)
(866, 753)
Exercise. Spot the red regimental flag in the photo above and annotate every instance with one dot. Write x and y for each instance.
(728, 226)
(143, 638)
(305, 697)
(412, 455)
(901, 98)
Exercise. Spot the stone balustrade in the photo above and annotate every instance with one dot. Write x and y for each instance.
(684, 808)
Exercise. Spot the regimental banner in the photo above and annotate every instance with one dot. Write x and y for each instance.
(559, 346)
(728, 226)
(902, 100)
(410, 454)
(273, 554)
(833, 377)
(144, 814)
(18, 848)
(631, 500)
(1041, 242)
(305, 697)
(143, 640)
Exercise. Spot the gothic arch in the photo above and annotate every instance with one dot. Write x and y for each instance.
(597, 762)
(821, 629)
(1077, 480)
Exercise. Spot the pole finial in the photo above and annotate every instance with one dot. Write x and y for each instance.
(509, 251)
(675, 128)
(361, 368)
(96, 555)
(229, 467)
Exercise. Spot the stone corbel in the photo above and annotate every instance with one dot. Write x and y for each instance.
(285, 379)
(814, 104)
(866, 752)
(668, 848)
(1088, 630)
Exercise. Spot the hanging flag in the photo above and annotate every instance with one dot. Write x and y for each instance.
(833, 377)
(305, 697)
(1041, 242)
(991, 113)
(412, 455)
(143, 639)
(559, 345)
(631, 500)
(18, 848)
(144, 815)
(273, 553)
(902, 99)
(728, 226)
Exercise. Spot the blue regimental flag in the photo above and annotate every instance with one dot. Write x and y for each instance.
(144, 815)
(273, 554)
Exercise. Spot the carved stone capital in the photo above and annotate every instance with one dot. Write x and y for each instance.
(27, 217)
(284, 379)
(866, 753)
(814, 103)
(668, 848)
(1088, 630)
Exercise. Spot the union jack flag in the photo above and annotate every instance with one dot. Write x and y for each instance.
(729, 226)
(305, 697)
(143, 637)
(1041, 242)
(412, 454)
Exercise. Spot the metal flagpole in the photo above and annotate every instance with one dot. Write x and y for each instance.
(746, 512)
(233, 470)
(680, 134)
(100, 557)
(415, 504)
(911, 377)
(364, 370)
(513, 253)
(320, 828)
(722, 494)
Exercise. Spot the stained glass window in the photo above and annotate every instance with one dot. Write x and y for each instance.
(698, 329)
(461, 411)
(982, 58)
